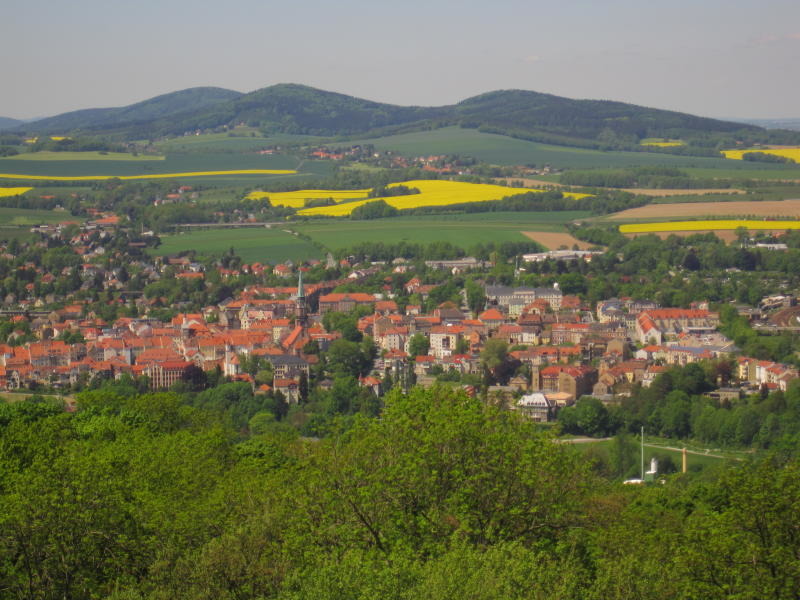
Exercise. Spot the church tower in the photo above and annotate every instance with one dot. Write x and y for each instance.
(301, 308)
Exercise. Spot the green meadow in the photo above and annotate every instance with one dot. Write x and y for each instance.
(71, 156)
(464, 230)
(10, 217)
(253, 245)
(504, 150)
(278, 244)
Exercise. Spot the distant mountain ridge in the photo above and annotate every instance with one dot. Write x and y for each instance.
(299, 109)
(793, 124)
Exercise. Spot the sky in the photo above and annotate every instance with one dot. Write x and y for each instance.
(717, 58)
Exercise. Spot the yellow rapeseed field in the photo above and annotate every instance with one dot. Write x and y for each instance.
(432, 193)
(662, 143)
(706, 226)
(150, 176)
(297, 199)
(15, 191)
(790, 153)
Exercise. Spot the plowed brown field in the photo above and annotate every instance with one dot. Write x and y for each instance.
(771, 208)
(553, 241)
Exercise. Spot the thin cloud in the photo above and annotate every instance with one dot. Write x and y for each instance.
(766, 40)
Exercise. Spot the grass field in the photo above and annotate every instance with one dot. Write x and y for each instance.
(24, 216)
(270, 246)
(173, 163)
(463, 230)
(746, 170)
(170, 175)
(72, 156)
(21, 234)
(655, 447)
(276, 245)
(242, 139)
(504, 150)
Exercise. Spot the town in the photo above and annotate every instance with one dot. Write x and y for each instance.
(535, 350)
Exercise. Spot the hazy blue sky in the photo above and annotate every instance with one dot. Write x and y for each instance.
(723, 58)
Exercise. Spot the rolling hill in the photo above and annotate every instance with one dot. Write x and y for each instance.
(127, 117)
(8, 122)
(298, 109)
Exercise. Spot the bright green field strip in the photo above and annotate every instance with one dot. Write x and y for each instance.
(25, 216)
(73, 156)
(253, 245)
(173, 163)
(460, 230)
(223, 141)
(503, 150)
(746, 170)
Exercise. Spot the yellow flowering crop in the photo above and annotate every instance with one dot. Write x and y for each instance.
(297, 199)
(432, 193)
(149, 176)
(705, 226)
(662, 143)
(15, 191)
(791, 153)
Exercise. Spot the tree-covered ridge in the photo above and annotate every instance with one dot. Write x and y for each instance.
(160, 107)
(164, 496)
(8, 122)
(298, 109)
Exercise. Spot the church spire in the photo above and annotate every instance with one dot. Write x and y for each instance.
(301, 293)
(300, 302)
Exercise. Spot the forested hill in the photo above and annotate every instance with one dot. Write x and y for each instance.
(523, 113)
(7, 122)
(129, 117)
(291, 108)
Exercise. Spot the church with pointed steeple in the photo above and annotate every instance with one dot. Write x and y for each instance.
(294, 342)
(301, 307)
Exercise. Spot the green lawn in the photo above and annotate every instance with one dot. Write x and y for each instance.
(504, 150)
(463, 230)
(253, 245)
